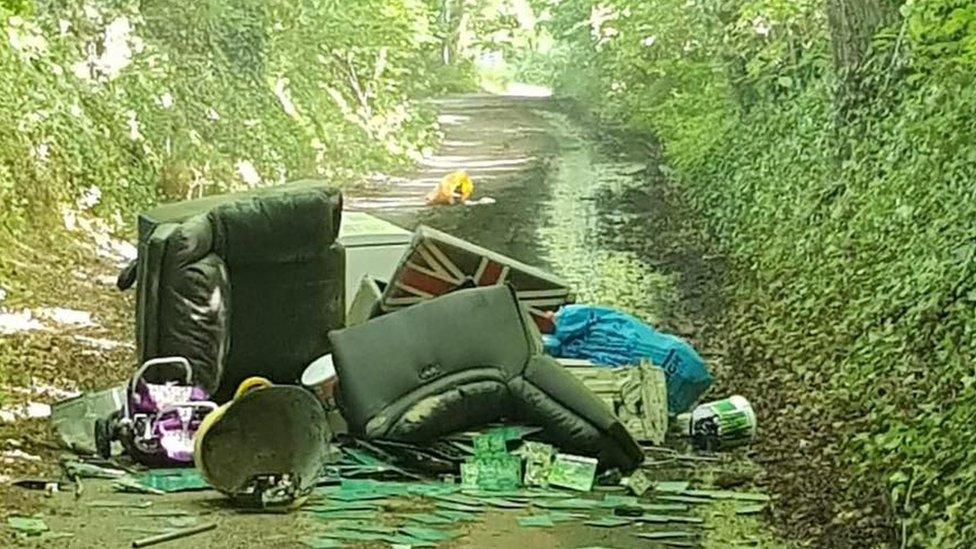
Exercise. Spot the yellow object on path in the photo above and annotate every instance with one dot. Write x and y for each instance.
(455, 187)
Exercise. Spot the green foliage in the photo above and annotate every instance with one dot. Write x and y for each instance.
(856, 271)
(116, 104)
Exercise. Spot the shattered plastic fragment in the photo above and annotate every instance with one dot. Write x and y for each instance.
(30, 526)
(608, 522)
(429, 534)
(429, 519)
(726, 494)
(676, 534)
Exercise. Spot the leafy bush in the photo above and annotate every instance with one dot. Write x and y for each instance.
(116, 104)
(851, 231)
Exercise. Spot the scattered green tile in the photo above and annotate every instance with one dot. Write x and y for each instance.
(507, 494)
(429, 534)
(674, 534)
(459, 499)
(457, 507)
(360, 526)
(337, 506)
(31, 526)
(664, 507)
(536, 521)
(686, 499)
(610, 501)
(669, 518)
(52, 536)
(428, 519)
(173, 480)
(750, 509)
(504, 503)
(574, 503)
(408, 541)
(457, 516)
(357, 496)
(608, 522)
(727, 494)
(560, 516)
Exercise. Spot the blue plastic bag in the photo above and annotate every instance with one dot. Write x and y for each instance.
(608, 337)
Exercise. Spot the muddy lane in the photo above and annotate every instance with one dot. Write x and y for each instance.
(547, 192)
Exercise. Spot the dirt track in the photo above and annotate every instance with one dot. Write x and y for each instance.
(596, 212)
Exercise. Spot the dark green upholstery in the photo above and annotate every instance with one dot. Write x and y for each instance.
(463, 360)
(242, 284)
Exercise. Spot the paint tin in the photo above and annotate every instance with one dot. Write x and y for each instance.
(320, 378)
(723, 424)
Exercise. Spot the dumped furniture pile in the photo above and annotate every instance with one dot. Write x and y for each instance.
(456, 377)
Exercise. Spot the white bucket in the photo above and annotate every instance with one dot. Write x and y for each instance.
(320, 378)
(723, 423)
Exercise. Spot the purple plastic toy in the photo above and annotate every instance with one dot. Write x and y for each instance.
(158, 420)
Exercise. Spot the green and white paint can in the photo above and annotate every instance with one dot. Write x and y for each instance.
(722, 424)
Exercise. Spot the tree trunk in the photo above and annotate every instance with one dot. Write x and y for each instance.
(853, 24)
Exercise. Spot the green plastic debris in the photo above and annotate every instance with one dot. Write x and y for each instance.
(669, 518)
(402, 540)
(673, 534)
(429, 519)
(459, 499)
(429, 534)
(608, 522)
(663, 507)
(536, 521)
(504, 503)
(173, 480)
(53, 536)
(610, 501)
(130, 485)
(750, 509)
(560, 516)
(458, 507)
(573, 472)
(686, 499)
(31, 526)
(456, 516)
(575, 503)
(363, 526)
(726, 494)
